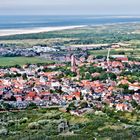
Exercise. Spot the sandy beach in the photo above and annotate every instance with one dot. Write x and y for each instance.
(6, 32)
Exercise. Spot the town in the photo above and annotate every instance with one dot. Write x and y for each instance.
(55, 53)
(69, 70)
(79, 84)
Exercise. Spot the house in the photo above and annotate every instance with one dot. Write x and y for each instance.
(18, 98)
(44, 49)
(76, 95)
(122, 107)
(136, 97)
(133, 87)
(37, 99)
(121, 58)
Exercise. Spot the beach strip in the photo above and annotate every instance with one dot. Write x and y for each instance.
(7, 32)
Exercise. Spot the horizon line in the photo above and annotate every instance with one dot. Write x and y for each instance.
(69, 15)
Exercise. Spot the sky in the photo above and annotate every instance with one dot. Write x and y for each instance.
(69, 7)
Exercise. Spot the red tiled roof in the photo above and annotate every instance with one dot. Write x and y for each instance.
(31, 94)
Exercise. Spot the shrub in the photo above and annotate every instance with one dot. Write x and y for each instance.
(43, 122)
(3, 131)
(34, 125)
(52, 115)
(23, 120)
(32, 106)
(11, 123)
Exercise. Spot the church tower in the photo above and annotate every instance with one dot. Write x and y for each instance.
(73, 63)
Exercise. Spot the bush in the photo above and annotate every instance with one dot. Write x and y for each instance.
(23, 120)
(52, 115)
(84, 104)
(43, 122)
(34, 125)
(3, 131)
(11, 123)
(32, 106)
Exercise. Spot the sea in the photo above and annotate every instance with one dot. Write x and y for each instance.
(20, 22)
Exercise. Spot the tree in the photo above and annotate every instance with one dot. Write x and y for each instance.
(7, 106)
(84, 105)
(99, 56)
(32, 106)
(112, 76)
(125, 86)
(87, 76)
(134, 104)
(12, 98)
(71, 107)
(122, 53)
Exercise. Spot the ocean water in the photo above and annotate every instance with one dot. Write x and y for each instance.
(15, 22)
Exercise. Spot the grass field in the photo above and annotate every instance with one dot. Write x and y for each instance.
(10, 61)
(27, 43)
(130, 52)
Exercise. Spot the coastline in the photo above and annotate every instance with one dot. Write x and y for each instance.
(7, 32)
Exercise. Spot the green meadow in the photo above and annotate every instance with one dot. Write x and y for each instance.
(10, 61)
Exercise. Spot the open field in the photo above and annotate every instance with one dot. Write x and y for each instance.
(10, 61)
(32, 42)
(130, 52)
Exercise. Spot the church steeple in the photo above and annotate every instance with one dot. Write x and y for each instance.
(73, 63)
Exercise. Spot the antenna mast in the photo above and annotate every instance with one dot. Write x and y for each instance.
(108, 54)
